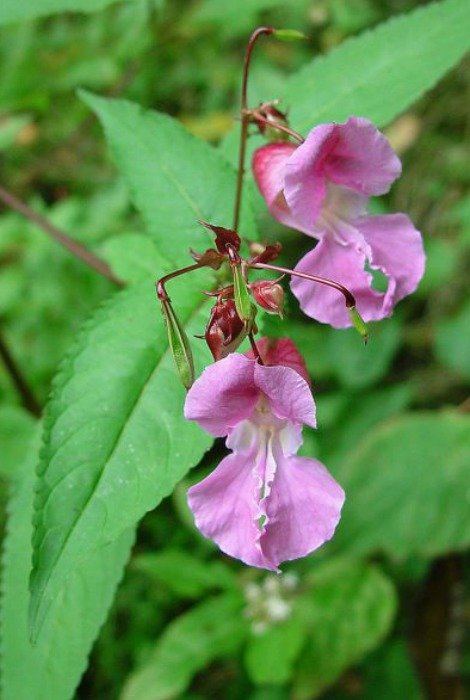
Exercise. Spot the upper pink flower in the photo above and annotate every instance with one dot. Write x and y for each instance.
(321, 188)
(262, 504)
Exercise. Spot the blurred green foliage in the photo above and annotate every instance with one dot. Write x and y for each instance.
(187, 623)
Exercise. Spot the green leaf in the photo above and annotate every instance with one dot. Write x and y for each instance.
(175, 179)
(170, 569)
(390, 674)
(452, 341)
(349, 610)
(382, 72)
(115, 439)
(133, 257)
(270, 655)
(212, 630)
(16, 428)
(53, 667)
(16, 11)
(407, 488)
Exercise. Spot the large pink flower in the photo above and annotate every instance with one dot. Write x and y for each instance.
(262, 504)
(321, 188)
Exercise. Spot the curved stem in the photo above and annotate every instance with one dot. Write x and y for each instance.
(349, 297)
(275, 125)
(245, 121)
(160, 284)
(27, 397)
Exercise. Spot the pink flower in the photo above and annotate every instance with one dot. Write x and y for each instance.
(321, 188)
(262, 504)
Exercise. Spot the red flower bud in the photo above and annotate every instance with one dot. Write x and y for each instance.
(223, 236)
(264, 254)
(225, 330)
(269, 295)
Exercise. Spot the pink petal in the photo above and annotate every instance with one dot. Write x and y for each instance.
(269, 164)
(226, 508)
(397, 250)
(344, 264)
(223, 395)
(305, 184)
(281, 351)
(303, 508)
(288, 393)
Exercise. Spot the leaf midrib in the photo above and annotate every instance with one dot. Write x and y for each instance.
(376, 67)
(106, 461)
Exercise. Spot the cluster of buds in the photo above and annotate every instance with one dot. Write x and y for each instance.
(232, 318)
(270, 602)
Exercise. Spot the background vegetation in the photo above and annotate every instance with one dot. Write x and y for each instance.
(382, 612)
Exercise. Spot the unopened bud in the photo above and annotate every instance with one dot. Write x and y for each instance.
(289, 35)
(359, 323)
(179, 344)
(269, 295)
(225, 330)
(268, 120)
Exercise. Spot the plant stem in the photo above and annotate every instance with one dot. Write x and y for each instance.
(275, 125)
(27, 397)
(245, 119)
(160, 284)
(77, 249)
(349, 297)
(254, 347)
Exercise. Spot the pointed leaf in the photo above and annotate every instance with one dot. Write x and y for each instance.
(52, 668)
(115, 440)
(175, 179)
(382, 72)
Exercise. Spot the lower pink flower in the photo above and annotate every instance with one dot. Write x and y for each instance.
(262, 504)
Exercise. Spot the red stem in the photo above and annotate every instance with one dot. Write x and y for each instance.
(349, 297)
(254, 347)
(275, 125)
(160, 284)
(245, 119)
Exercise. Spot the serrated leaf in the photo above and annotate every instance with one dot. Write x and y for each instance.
(14, 11)
(349, 610)
(175, 179)
(211, 630)
(407, 487)
(52, 668)
(115, 440)
(383, 71)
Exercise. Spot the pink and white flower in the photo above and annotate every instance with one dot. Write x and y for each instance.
(322, 188)
(263, 504)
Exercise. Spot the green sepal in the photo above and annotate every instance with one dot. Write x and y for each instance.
(359, 323)
(241, 295)
(179, 345)
(289, 35)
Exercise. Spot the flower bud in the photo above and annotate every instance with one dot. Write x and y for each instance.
(225, 330)
(269, 295)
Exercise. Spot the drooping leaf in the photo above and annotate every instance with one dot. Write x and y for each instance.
(115, 440)
(348, 612)
(170, 567)
(14, 11)
(175, 179)
(52, 668)
(407, 488)
(383, 71)
(211, 630)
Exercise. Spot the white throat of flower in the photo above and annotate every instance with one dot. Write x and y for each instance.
(340, 208)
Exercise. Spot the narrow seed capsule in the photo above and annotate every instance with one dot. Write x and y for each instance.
(359, 323)
(242, 296)
(179, 345)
